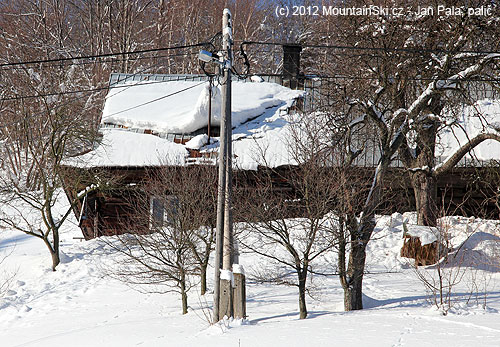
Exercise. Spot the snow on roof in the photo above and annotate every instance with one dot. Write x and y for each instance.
(263, 143)
(182, 106)
(126, 148)
(263, 139)
(258, 111)
(479, 118)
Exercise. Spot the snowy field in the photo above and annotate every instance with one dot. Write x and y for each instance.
(78, 306)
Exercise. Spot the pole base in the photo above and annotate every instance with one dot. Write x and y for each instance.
(226, 299)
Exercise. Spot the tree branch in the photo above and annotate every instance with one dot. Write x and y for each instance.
(462, 151)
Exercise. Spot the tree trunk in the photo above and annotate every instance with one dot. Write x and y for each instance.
(53, 249)
(353, 293)
(55, 259)
(203, 279)
(423, 182)
(302, 294)
(184, 294)
(55, 255)
(184, 303)
(425, 190)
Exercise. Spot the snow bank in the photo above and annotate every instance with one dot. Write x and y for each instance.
(475, 242)
(385, 245)
(182, 106)
(472, 242)
(125, 148)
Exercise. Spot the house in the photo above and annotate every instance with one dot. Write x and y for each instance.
(154, 121)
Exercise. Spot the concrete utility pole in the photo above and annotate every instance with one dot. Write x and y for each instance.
(223, 200)
(226, 299)
(226, 286)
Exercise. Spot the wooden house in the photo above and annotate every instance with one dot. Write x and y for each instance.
(154, 121)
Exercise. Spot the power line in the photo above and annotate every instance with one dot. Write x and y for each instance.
(141, 83)
(135, 74)
(124, 86)
(312, 76)
(101, 61)
(56, 60)
(17, 64)
(384, 49)
(113, 114)
(89, 90)
(425, 79)
(22, 97)
(28, 116)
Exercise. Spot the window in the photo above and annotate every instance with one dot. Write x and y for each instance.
(156, 211)
(163, 211)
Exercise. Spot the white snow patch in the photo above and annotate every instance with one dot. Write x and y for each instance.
(227, 275)
(182, 106)
(197, 142)
(105, 312)
(427, 235)
(257, 79)
(125, 148)
(238, 269)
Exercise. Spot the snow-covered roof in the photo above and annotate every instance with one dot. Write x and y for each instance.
(260, 124)
(181, 107)
(125, 148)
(258, 117)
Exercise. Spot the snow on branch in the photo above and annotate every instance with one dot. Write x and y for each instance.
(435, 87)
(453, 159)
(468, 72)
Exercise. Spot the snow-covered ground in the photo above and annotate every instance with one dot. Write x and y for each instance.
(78, 306)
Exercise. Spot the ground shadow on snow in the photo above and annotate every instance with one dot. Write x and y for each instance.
(418, 300)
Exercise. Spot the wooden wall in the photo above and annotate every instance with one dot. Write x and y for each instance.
(465, 191)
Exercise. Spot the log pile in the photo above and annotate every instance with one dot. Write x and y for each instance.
(427, 254)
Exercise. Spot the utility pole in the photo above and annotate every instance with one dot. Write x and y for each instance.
(226, 287)
(209, 126)
(221, 196)
(220, 296)
(227, 40)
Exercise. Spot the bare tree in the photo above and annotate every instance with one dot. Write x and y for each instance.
(459, 265)
(171, 233)
(402, 72)
(32, 176)
(290, 214)
(42, 125)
